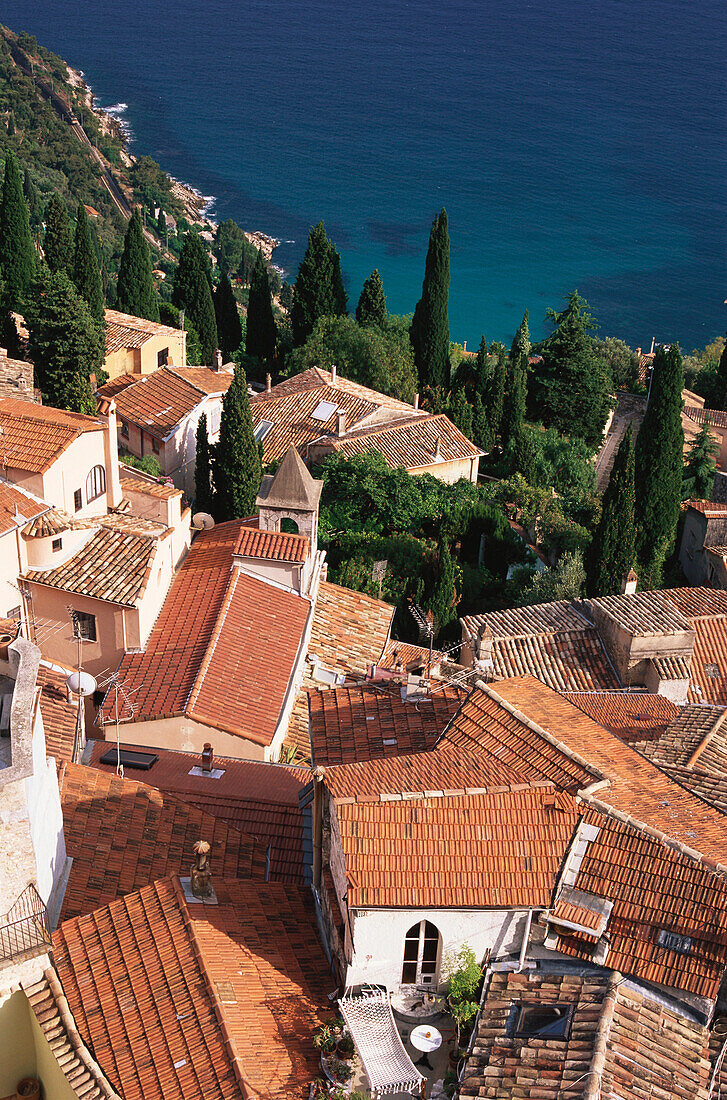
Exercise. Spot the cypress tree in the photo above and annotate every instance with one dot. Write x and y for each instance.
(443, 599)
(513, 415)
(192, 293)
(613, 550)
(86, 274)
(722, 377)
(227, 315)
(698, 477)
(31, 197)
(523, 456)
(371, 308)
(261, 333)
(521, 341)
(135, 291)
(319, 287)
(495, 395)
(58, 241)
(236, 468)
(659, 464)
(203, 497)
(66, 342)
(17, 254)
(430, 326)
(11, 123)
(162, 225)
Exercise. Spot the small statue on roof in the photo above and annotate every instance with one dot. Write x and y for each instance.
(201, 872)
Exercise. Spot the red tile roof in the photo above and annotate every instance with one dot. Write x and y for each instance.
(708, 508)
(17, 507)
(217, 628)
(125, 331)
(35, 435)
(632, 716)
(157, 402)
(123, 834)
(132, 483)
(188, 1001)
(708, 672)
(58, 714)
(414, 443)
(261, 800)
(114, 565)
(272, 545)
(430, 852)
(368, 721)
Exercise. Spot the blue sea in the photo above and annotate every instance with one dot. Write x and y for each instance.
(574, 143)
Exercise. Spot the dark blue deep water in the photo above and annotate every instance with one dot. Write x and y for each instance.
(573, 142)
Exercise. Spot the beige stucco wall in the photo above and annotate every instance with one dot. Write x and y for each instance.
(25, 1052)
(140, 443)
(10, 567)
(177, 454)
(144, 360)
(185, 735)
(450, 472)
(114, 624)
(68, 473)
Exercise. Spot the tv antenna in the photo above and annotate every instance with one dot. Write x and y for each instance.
(113, 682)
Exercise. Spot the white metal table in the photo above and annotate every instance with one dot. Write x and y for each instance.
(425, 1038)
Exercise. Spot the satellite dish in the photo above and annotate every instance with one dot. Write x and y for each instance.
(81, 683)
(202, 521)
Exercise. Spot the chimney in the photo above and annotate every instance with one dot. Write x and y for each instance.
(464, 345)
(333, 374)
(217, 360)
(416, 400)
(207, 754)
(628, 585)
(638, 352)
(268, 383)
(653, 341)
(111, 456)
(484, 644)
(341, 422)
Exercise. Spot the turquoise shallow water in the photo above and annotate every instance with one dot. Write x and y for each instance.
(573, 144)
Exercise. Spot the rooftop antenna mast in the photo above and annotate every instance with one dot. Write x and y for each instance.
(80, 683)
(119, 688)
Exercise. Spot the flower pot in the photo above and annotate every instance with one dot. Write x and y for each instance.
(344, 1052)
(5, 641)
(28, 1089)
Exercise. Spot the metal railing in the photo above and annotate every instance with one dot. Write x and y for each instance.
(25, 926)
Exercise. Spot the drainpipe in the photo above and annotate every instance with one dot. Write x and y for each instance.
(525, 943)
(317, 814)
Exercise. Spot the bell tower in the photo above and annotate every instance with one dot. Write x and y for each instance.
(289, 499)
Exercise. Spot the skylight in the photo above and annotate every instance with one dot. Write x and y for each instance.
(543, 1021)
(674, 942)
(262, 430)
(324, 410)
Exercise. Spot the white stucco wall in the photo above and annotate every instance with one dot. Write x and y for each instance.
(378, 937)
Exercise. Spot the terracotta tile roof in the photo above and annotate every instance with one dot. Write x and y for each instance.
(692, 727)
(365, 722)
(315, 378)
(291, 414)
(644, 612)
(588, 914)
(125, 331)
(717, 417)
(113, 566)
(261, 800)
(123, 834)
(654, 889)
(59, 715)
(407, 655)
(671, 668)
(157, 402)
(632, 716)
(651, 1049)
(132, 483)
(636, 786)
(50, 1008)
(204, 654)
(698, 603)
(273, 545)
(708, 671)
(199, 1001)
(495, 850)
(17, 507)
(142, 1001)
(523, 622)
(205, 379)
(414, 442)
(708, 508)
(349, 633)
(35, 435)
(709, 785)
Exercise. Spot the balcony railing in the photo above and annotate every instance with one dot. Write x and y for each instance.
(24, 927)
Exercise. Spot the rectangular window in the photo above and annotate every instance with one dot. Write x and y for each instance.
(163, 357)
(543, 1021)
(14, 613)
(674, 942)
(77, 500)
(124, 430)
(84, 626)
(57, 545)
(155, 446)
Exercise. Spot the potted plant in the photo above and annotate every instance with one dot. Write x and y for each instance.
(324, 1039)
(342, 1072)
(465, 981)
(345, 1048)
(28, 1088)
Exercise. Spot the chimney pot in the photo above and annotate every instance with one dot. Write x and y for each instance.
(416, 400)
(217, 360)
(268, 383)
(653, 341)
(628, 585)
(638, 351)
(341, 422)
(464, 345)
(333, 374)
(207, 755)
(4, 353)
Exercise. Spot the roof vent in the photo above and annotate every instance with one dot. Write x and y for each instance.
(324, 410)
(207, 755)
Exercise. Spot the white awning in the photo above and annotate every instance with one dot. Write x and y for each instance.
(373, 1029)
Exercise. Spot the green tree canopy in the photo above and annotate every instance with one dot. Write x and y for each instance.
(430, 324)
(86, 275)
(572, 389)
(564, 582)
(227, 315)
(613, 550)
(371, 308)
(31, 197)
(513, 415)
(261, 334)
(319, 286)
(371, 356)
(722, 378)
(236, 468)
(203, 496)
(192, 292)
(58, 240)
(659, 465)
(521, 341)
(17, 254)
(66, 342)
(135, 292)
(701, 466)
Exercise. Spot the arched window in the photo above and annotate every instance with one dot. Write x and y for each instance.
(95, 483)
(288, 526)
(421, 954)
